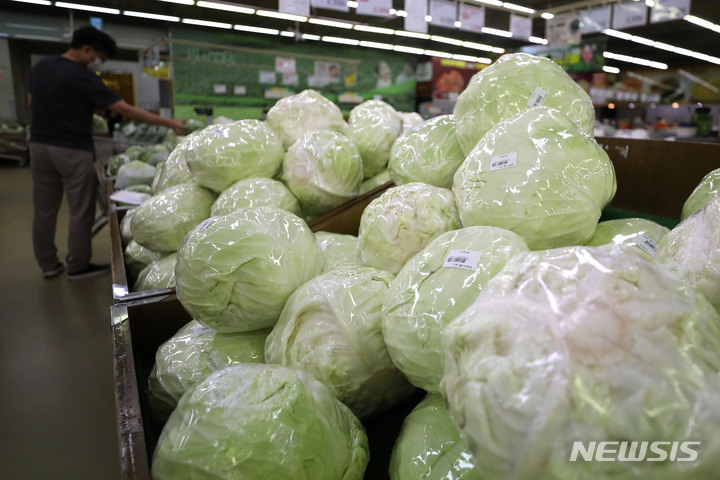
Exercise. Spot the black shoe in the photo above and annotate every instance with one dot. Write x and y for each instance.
(55, 271)
(91, 270)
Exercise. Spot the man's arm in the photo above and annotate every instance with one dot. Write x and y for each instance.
(134, 113)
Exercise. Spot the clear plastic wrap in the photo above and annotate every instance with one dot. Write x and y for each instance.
(158, 274)
(323, 169)
(261, 421)
(380, 178)
(429, 153)
(410, 120)
(115, 162)
(692, 251)
(575, 345)
(401, 222)
(175, 170)
(331, 328)
(337, 248)
(125, 231)
(137, 257)
(134, 172)
(515, 82)
(706, 190)
(235, 272)
(192, 354)
(254, 193)
(373, 126)
(430, 447)
(641, 233)
(161, 222)
(154, 154)
(433, 288)
(222, 154)
(539, 175)
(294, 115)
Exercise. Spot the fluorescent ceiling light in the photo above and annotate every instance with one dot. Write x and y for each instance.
(483, 47)
(466, 58)
(341, 40)
(368, 28)
(661, 45)
(87, 8)
(610, 69)
(308, 36)
(547, 15)
(404, 49)
(36, 2)
(287, 34)
(181, 2)
(518, 8)
(435, 53)
(205, 23)
(457, 24)
(635, 60)
(428, 18)
(701, 22)
(700, 81)
(249, 28)
(484, 60)
(405, 33)
(282, 16)
(541, 41)
(495, 31)
(330, 23)
(226, 7)
(381, 46)
(448, 40)
(494, 3)
(152, 16)
(401, 13)
(352, 4)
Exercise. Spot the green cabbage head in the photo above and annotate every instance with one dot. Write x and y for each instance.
(410, 120)
(401, 222)
(516, 82)
(331, 328)
(134, 172)
(254, 193)
(373, 126)
(337, 248)
(175, 170)
(707, 189)
(222, 154)
(641, 233)
(380, 178)
(586, 344)
(235, 272)
(158, 274)
(260, 421)
(136, 258)
(433, 288)
(539, 175)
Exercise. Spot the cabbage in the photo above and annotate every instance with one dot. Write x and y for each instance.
(539, 175)
(253, 193)
(380, 178)
(706, 190)
(643, 234)
(222, 154)
(156, 178)
(294, 115)
(584, 344)
(260, 421)
(235, 272)
(336, 248)
(330, 327)
(192, 354)
(175, 170)
(194, 124)
(429, 446)
(137, 257)
(100, 125)
(515, 82)
(373, 126)
(134, 172)
(125, 231)
(410, 120)
(429, 153)
(401, 222)
(161, 222)
(134, 152)
(692, 250)
(433, 288)
(323, 169)
(154, 154)
(115, 162)
(158, 274)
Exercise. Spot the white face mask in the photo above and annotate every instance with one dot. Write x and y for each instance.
(95, 66)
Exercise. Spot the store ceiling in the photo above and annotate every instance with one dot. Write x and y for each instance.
(679, 33)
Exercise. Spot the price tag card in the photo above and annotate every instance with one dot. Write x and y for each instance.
(538, 97)
(465, 259)
(647, 244)
(506, 160)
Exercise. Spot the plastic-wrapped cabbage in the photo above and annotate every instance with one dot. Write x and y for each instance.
(433, 288)
(161, 222)
(641, 233)
(222, 154)
(254, 193)
(100, 125)
(175, 170)
(331, 328)
(134, 152)
(373, 126)
(260, 421)
(137, 257)
(323, 169)
(410, 120)
(576, 345)
(134, 172)
(539, 175)
(401, 222)
(235, 272)
(192, 354)
(429, 446)
(429, 153)
(156, 178)
(294, 115)
(375, 181)
(115, 162)
(692, 250)
(194, 124)
(707, 189)
(125, 230)
(337, 248)
(154, 154)
(515, 82)
(222, 119)
(158, 274)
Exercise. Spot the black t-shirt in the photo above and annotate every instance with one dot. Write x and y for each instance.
(64, 97)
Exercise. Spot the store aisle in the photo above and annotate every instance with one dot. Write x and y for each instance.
(57, 417)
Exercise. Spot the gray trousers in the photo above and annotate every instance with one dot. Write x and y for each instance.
(54, 170)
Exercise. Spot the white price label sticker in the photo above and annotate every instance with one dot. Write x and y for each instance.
(647, 244)
(503, 161)
(465, 259)
(538, 97)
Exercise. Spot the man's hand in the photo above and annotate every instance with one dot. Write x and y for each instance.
(178, 126)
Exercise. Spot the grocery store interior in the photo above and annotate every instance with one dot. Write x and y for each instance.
(649, 68)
